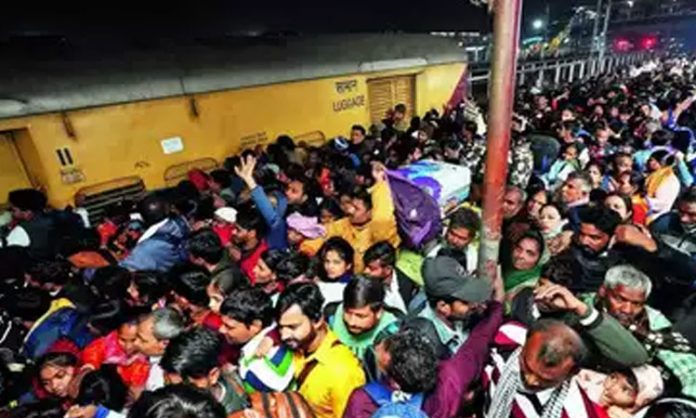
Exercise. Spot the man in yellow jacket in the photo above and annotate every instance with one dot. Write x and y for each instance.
(326, 371)
(370, 220)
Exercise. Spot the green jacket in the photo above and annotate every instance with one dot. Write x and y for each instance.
(610, 345)
(359, 344)
(363, 346)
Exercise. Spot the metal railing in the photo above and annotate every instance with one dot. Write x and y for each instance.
(567, 69)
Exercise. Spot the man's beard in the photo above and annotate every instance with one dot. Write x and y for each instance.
(523, 388)
(358, 331)
(589, 252)
(467, 321)
(301, 345)
(623, 319)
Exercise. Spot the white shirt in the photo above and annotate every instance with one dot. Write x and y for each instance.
(392, 297)
(152, 230)
(84, 215)
(664, 199)
(17, 237)
(155, 379)
(332, 291)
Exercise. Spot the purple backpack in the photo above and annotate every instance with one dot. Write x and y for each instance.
(417, 213)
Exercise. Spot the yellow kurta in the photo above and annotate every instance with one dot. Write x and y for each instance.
(382, 227)
(330, 383)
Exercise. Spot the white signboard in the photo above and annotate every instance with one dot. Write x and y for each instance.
(172, 145)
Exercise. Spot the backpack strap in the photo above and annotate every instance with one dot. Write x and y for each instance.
(294, 410)
(308, 368)
(378, 392)
(266, 405)
(416, 400)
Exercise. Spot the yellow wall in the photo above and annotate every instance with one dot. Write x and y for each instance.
(124, 140)
(434, 87)
(30, 157)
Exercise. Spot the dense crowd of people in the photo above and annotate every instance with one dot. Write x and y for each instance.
(284, 283)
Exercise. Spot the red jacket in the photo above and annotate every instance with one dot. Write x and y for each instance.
(250, 260)
(133, 369)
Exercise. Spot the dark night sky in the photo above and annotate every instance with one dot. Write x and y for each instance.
(148, 19)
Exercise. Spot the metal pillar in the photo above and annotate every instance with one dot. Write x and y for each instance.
(571, 72)
(605, 28)
(506, 38)
(557, 79)
(582, 70)
(595, 28)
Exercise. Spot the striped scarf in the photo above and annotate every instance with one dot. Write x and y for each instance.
(509, 384)
(271, 373)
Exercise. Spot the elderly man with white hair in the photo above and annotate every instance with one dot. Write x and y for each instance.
(624, 296)
(155, 330)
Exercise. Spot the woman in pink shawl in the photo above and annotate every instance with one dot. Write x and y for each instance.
(118, 347)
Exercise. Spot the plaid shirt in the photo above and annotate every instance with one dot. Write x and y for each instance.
(681, 365)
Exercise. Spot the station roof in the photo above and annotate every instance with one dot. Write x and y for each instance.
(34, 82)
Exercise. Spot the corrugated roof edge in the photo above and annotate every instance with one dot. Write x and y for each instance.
(28, 88)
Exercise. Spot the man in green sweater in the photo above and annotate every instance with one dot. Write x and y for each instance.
(361, 318)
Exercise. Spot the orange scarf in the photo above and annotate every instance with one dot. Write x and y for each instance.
(655, 180)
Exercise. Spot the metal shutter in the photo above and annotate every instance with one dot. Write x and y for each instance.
(98, 197)
(385, 93)
(403, 93)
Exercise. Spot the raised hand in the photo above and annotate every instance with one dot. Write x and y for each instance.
(558, 298)
(558, 244)
(379, 172)
(76, 411)
(246, 171)
(635, 236)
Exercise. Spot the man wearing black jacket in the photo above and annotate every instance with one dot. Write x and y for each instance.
(601, 243)
(34, 229)
(380, 263)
